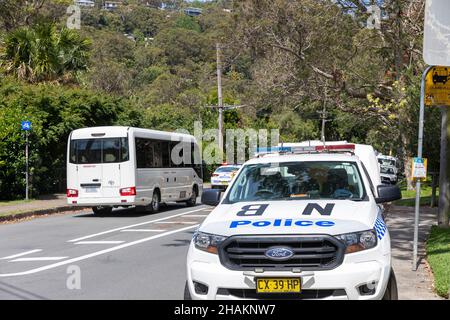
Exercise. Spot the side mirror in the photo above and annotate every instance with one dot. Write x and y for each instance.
(388, 193)
(211, 197)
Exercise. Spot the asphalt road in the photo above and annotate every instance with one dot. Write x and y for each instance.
(125, 255)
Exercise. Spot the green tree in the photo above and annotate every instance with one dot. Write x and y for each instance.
(43, 53)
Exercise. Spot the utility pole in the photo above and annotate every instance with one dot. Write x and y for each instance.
(219, 97)
(444, 174)
(324, 117)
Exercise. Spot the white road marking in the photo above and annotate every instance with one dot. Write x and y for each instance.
(21, 254)
(99, 242)
(94, 254)
(143, 230)
(133, 225)
(177, 222)
(197, 215)
(38, 259)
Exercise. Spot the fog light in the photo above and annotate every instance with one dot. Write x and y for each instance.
(200, 288)
(368, 289)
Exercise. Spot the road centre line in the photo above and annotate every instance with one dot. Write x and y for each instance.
(21, 254)
(94, 254)
(133, 225)
(38, 259)
(99, 242)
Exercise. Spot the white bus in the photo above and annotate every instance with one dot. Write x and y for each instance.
(123, 166)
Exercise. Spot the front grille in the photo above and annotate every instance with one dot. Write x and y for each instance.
(321, 252)
(305, 294)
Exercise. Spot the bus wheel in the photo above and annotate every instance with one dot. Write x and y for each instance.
(155, 202)
(100, 211)
(193, 199)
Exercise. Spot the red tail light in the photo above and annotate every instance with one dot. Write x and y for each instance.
(72, 193)
(215, 174)
(130, 191)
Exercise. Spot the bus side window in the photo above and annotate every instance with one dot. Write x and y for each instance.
(144, 153)
(177, 146)
(165, 153)
(157, 156)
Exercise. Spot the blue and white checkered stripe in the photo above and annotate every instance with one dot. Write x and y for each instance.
(380, 227)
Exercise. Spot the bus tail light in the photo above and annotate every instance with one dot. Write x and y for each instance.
(130, 191)
(72, 193)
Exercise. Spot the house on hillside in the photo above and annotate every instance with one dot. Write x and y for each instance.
(193, 12)
(111, 5)
(85, 3)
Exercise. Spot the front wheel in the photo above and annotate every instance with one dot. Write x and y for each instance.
(155, 205)
(101, 211)
(391, 292)
(193, 199)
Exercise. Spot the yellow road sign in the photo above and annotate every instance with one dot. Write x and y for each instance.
(437, 87)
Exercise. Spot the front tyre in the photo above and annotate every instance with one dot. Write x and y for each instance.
(187, 294)
(193, 199)
(391, 292)
(156, 202)
(101, 211)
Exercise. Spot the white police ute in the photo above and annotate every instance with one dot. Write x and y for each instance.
(297, 223)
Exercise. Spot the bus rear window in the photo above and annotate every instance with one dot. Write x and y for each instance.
(94, 151)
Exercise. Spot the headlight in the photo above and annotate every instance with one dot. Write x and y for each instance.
(207, 242)
(359, 241)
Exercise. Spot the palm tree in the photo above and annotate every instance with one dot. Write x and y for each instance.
(43, 53)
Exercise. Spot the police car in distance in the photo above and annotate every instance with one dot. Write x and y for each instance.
(388, 174)
(223, 175)
(297, 222)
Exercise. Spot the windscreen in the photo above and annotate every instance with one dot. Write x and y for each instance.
(95, 151)
(226, 169)
(297, 181)
(387, 170)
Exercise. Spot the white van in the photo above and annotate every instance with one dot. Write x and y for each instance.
(123, 166)
(297, 222)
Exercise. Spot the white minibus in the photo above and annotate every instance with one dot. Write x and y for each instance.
(123, 166)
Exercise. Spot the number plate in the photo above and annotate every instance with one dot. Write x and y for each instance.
(91, 190)
(278, 285)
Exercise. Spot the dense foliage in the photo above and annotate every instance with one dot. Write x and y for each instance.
(139, 65)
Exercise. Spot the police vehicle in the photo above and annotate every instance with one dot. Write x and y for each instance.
(223, 175)
(297, 222)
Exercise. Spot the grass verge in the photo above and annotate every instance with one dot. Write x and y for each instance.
(13, 202)
(409, 196)
(438, 256)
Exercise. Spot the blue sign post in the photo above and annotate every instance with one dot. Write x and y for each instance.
(26, 126)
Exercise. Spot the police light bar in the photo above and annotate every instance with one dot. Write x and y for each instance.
(264, 150)
(304, 150)
(337, 148)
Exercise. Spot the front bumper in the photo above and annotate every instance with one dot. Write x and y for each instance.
(341, 283)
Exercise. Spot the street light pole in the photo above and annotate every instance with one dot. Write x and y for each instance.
(219, 97)
(419, 155)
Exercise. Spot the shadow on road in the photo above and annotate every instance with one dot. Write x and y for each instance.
(132, 212)
(180, 242)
